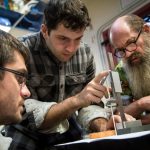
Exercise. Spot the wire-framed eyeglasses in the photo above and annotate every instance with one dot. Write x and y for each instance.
(121, 52)
(20, 76)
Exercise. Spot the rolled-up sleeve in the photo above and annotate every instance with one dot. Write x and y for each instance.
(5, 142)
(38, 110)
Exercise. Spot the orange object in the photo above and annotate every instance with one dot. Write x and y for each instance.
(102, 134)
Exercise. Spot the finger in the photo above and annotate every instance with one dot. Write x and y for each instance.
(92, 86)
(102, 91)
(129, 117)
(117, 118)
(95, 100)
(109, 89)
(99, 77)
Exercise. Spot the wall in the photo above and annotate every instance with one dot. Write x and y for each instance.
(100, 11)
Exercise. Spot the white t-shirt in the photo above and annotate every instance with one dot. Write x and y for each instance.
(5, 142)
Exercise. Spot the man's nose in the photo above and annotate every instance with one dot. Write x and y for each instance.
(128, 53)
(25, 93)
(71, 47)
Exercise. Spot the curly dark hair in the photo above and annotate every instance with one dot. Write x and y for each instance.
(72, 13)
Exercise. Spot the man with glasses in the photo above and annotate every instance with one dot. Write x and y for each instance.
(13, 76)
(130, 37)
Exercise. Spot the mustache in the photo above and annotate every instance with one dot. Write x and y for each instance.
(135, 54)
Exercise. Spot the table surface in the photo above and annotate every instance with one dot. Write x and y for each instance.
(126, 141)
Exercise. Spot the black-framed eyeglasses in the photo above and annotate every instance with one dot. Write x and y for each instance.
(20, 76)
(121, 52)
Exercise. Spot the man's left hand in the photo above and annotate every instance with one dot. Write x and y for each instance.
(98, 125)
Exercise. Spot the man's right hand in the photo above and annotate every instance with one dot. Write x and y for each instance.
(93, 92)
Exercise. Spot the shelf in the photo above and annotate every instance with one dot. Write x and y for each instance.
(31, 21)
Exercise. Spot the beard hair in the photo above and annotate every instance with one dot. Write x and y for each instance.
(138, 74)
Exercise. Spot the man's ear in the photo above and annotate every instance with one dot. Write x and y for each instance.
(44, 30)
(146, 28)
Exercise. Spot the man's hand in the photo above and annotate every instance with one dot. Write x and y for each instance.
(117, 119)
(93, 92)
(144, 103)
(98, 125)
(138, 107)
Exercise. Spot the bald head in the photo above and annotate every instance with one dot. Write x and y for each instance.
(118, 29)
(123, 26)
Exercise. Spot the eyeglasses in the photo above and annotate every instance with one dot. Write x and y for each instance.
(20, 76)
(121, 52)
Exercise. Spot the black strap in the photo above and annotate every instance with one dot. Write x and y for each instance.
(74, 133)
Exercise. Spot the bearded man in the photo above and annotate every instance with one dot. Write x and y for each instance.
(130, 36)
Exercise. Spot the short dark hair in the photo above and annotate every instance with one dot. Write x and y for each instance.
(72, 13)
(9, 44)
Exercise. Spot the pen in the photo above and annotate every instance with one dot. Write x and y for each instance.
(104, 79)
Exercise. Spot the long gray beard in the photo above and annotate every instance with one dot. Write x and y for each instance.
(139, 75)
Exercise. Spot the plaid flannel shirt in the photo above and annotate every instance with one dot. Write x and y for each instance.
(53, 81)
